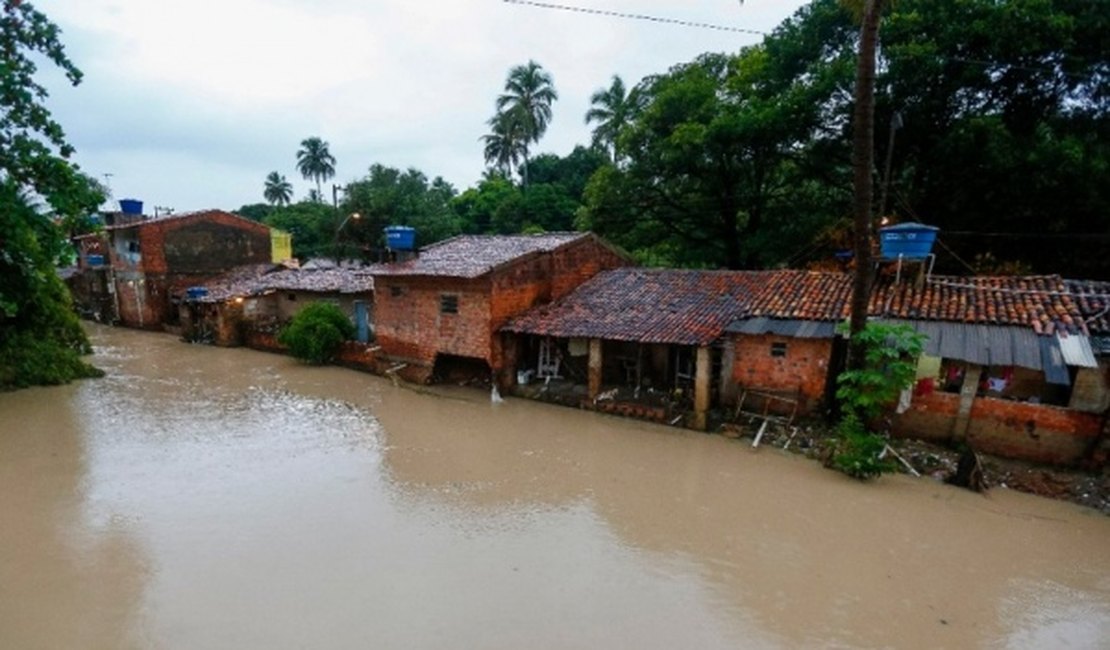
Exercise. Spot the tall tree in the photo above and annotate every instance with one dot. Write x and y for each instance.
(863, 152)
(315, 162)
(505, 144)
(278, 190)
(610, 108)
(40, 337)
(529, 94)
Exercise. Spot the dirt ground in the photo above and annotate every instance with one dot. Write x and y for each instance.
(934, 462)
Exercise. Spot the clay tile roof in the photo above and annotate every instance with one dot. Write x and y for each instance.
(1092, 297)
(257, 279)
(681, 307)
(1042, 302)
(471, 256)
(132, 221)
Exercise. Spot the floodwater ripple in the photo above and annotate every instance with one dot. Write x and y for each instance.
(210, 498)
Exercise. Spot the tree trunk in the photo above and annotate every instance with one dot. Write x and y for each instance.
(863, 152)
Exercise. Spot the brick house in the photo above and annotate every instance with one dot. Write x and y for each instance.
(1007, 366)
(261, 298)
(444, 307)
(1008, 363)
(147, 259)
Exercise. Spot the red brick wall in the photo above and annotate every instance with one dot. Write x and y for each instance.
(574, 264)
(800, 373)
(1036, 432)
(209, 234)
(142, 300)
(411, 327)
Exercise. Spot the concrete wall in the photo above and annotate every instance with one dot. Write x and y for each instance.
(800, 373)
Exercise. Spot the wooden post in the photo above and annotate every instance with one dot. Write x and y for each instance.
(594, 372)
(967, 397)
(702, 369)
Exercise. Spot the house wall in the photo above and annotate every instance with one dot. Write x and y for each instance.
(410, 328)
(178, 253)
(579, 261)
(1035, 432)
(800, 373)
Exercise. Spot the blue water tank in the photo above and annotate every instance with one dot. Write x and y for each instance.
(130, 206)
(400, 238)
(907, 240)
(194, 293)
(95, 260)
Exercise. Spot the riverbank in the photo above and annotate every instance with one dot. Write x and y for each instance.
(937, 463)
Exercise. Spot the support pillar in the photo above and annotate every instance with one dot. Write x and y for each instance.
(594, 369)
(967, 398)
(702, 369)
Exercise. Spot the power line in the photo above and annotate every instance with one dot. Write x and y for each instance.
(619, 14)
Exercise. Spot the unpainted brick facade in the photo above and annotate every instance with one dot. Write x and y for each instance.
(412, 326)
(155, 259)
(795, 368)
(1036, 432)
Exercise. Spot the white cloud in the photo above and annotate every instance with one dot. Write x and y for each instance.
(191, 103)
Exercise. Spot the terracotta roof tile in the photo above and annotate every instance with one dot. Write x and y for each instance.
(471, 256)
(1092, 297)
(693, 307)
(259, 279)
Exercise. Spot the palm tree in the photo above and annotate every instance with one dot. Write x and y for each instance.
(611, 108)
(278, 190)
(529, 93)
(863, 145)
(315, 162)
(505, 143)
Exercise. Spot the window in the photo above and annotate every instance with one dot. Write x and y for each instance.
(292, 297)
(778, 349)
(395, 291)
(448, 304)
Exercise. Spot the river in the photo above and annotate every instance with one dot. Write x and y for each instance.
(210, 498)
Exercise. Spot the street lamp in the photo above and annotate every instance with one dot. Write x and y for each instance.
(354, 215)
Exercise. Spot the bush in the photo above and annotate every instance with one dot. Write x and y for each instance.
(890, 364)
(316, 332)
(859, 451)
(28, 359)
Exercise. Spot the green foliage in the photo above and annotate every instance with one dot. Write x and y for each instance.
(255, 211)
(859, 451)
(889, 367)
(316, 332)
(314, 162)
(311, 223)
(278, 191)
(390, 197)
(41, 339)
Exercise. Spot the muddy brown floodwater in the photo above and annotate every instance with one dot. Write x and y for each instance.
(207, 498)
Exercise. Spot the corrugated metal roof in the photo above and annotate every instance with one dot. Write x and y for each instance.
(1077, 351)
(784, 327)
(995, 345)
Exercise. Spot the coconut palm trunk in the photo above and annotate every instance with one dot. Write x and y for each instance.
(862, 163)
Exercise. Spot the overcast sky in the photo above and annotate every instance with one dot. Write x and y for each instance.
(189, 104)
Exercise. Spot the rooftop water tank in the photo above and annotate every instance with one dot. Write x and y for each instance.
(907, 240)
(130, 206)
(400, 238)
(195, 293)
(94, 260)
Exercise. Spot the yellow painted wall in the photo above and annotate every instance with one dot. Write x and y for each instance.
(281, 246)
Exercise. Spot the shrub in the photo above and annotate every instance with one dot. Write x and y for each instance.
(316, 332)
(859, 451)
(890, 365)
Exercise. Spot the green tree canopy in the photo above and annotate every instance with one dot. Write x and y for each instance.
(315, 162)
(278, 191)
(526, 103)
(40, 337)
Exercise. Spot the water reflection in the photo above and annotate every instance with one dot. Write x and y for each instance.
(200, 497)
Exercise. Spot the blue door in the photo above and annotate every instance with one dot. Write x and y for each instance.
(362, 323)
